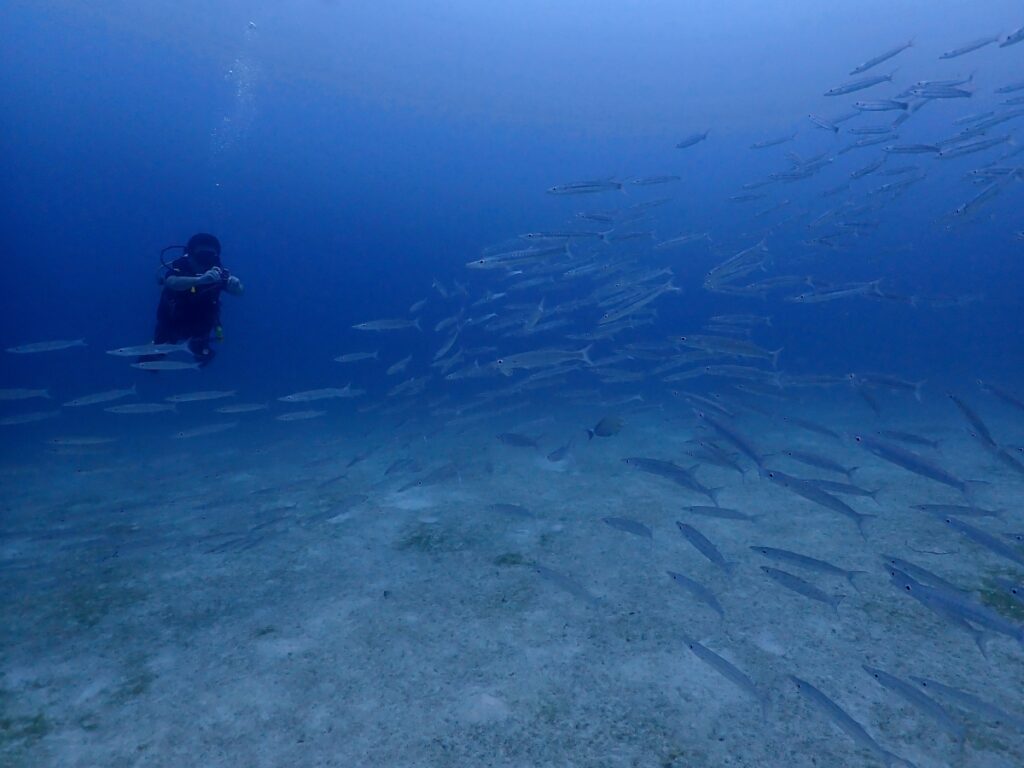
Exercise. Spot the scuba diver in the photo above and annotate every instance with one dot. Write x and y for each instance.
(189, 308)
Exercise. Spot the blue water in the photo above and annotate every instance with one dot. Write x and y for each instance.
(352, 157)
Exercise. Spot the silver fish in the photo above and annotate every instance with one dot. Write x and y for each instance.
(986, 540)
(101, 397)
(8, 395)
(513, 510)
(79, 442)
(399, 366)
(1012, 38)
(242, 408)
(908, 437)
(327, 393)
(912, 149)
(647, 181)
(705, 547)
(960, 510)
(969, 47)
(566, 583)
(881, 105)
(764, 144)
(958, 605)
(673, 472)
(929, 599)
(1002, 393)
(911, 462)
(141, 350)
(28, 418)
(165, 365)
(845, 723)
(859, 85)
(801, 587)
(698, 590)
(971, 703)
(1013, 590)
(875, 61)
(921, 574)
(196, 397)
(980, 429)
(812, 492)
(46, 346)
(844, 489)
(440, 475)
(821, 122)
(731, 436)
(584, 187)
(541, 358)
(722, 513)
(810, 563)
(918, 699)
(209, 429)
(299, 415)
(821, 462)
(1011, 88)
(628, 525)
(141, 408)
(727, 670)
(353, 357)
(389, 324)
(694, 138)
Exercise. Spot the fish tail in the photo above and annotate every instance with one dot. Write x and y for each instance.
(713, 494)
(835, 603)
(981, 640)
(585, 354)
(416, 324)
(851, 576)
(590, 435)
(775, 357)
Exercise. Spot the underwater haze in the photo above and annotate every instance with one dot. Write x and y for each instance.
(563, 384)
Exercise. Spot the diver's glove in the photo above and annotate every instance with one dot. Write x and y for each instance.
(212, 276)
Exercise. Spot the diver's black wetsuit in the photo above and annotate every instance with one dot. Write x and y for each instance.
(191, 314)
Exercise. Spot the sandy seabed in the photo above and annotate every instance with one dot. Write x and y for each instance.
(290, 595)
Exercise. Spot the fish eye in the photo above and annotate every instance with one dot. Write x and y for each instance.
(500, 362)
(857, 438)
